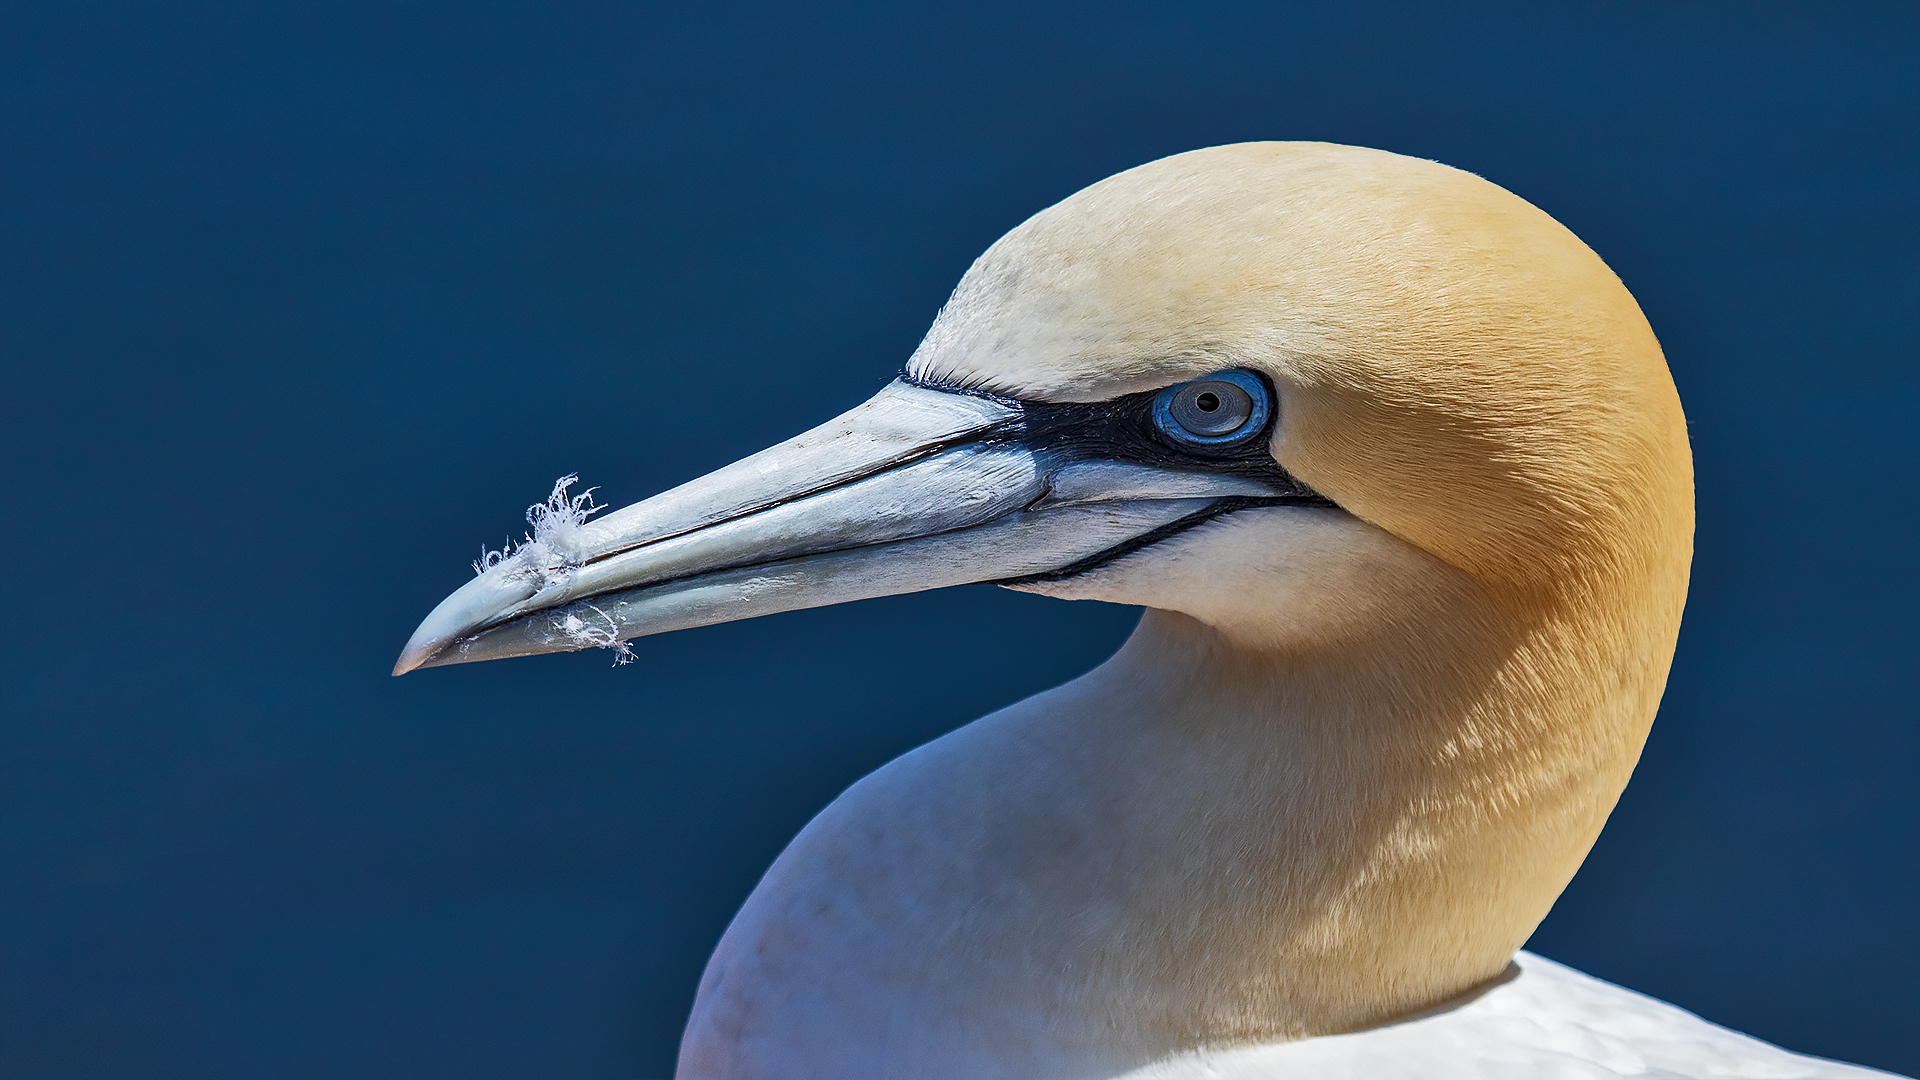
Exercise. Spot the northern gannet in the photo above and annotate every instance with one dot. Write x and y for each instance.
(1395, 466)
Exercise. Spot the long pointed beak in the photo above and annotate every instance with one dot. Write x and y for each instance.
(918, 488)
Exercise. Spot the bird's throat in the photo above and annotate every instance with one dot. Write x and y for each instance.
(1195, 844)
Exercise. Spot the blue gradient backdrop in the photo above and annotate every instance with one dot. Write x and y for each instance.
(302, 302)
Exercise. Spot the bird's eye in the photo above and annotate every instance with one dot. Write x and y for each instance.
(1216, 413)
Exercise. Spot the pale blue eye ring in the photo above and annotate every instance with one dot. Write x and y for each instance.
(1218, 412)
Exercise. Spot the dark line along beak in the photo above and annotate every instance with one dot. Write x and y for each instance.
(918, 488)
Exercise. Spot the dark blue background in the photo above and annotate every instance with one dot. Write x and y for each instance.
(300, 303)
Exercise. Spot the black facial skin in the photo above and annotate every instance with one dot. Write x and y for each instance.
(1122, 429)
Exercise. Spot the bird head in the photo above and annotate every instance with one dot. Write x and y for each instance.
(1265, 357)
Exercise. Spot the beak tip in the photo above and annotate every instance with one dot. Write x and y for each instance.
(470, 607)
(419, 653)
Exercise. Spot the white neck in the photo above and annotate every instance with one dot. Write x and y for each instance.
(1216, 837)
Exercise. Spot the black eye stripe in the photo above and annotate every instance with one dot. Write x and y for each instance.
(1123, 429)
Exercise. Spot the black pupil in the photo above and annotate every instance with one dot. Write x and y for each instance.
(1207, 402)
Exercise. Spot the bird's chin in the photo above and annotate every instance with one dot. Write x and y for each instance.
(1277, 578)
